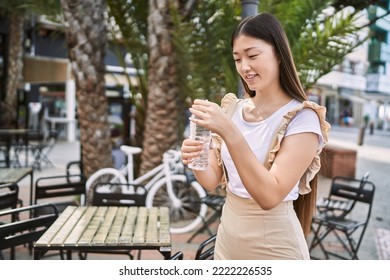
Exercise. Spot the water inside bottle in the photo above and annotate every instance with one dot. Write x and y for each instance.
(202, 134)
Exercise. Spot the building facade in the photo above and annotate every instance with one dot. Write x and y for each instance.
(357, 92)
(49, 98)
(378, 74)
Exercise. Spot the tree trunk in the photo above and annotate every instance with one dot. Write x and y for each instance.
(86, 38)
(14, 71)
(161, 131)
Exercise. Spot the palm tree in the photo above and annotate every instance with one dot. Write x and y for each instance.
(86, 39)
(161, 111)
(8, 106)
(163, 103)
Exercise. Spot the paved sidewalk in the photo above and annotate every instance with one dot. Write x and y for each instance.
(373, 156)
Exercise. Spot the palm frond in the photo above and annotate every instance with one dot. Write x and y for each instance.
(44, 7)
(324, 44)
(128, 27)
(205, 58)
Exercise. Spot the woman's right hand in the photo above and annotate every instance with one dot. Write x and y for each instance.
(190, 149)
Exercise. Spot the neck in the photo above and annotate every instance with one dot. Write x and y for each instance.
(260, 107)
(277, 98)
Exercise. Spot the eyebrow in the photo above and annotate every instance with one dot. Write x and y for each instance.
(247, 49)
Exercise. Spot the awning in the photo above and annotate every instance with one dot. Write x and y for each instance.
(40, 69)
(354, 98)
(115, 79)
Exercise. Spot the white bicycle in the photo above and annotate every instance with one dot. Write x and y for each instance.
(166, 185)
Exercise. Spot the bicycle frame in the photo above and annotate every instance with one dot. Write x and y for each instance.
(170, 165)
(168, 177)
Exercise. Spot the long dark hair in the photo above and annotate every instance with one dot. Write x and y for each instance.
(266, 27)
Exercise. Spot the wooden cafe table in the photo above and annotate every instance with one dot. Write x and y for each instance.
(107, 228)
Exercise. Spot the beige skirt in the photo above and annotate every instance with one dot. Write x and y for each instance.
(248, 232)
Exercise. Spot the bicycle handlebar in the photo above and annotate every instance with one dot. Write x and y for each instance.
(171, 155)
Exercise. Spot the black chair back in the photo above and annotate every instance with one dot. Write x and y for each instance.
(340, 201)
(205, 250)
(27, 230)
(177, 256)
(9, 194)
(62, 191)
(348, 192)
(112, 194)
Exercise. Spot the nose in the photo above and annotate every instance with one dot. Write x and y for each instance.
(245, 65)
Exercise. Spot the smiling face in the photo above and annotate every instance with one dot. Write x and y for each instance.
(257, 63)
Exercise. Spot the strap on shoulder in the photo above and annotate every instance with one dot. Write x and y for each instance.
(304, 186)
(282, 130)
(229, 105)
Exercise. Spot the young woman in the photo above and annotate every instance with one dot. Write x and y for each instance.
(270, 147)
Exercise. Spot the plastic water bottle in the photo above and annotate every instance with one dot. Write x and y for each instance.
(200, 133)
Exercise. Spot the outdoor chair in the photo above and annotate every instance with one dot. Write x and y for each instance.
(214, 203)
(346, 227)
(3, 154)
(205, 250)
(35, 145)
(112, 194)
(9, 197)
(25, 230)
(61, 190)
(19, 147)
(332, 205)
(41, 146)
(177, 256)
(74, 168)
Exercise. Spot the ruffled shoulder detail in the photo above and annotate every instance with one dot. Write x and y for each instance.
(228, 100)
(304, 186)
(228, 104)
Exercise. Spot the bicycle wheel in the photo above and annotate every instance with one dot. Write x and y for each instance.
(187, 212)
(105, 175)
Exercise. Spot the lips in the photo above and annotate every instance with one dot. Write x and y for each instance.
(250, 77)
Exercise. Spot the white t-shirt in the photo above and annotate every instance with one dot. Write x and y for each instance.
(259, 136)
